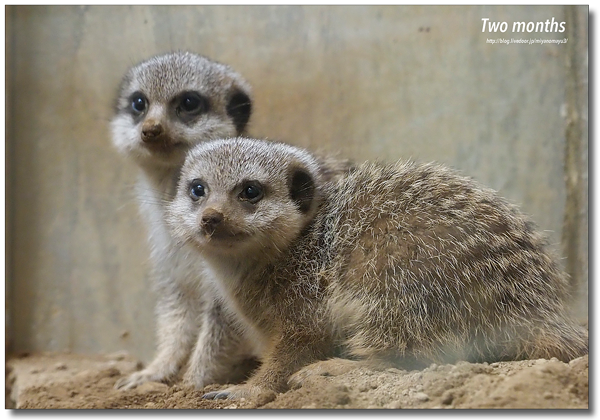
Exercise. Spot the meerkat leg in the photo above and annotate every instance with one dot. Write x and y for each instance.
(288, 355)
(176, 332)
(220, 351)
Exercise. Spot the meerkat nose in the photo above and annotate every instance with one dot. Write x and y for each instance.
(151, 130)
(211, 218)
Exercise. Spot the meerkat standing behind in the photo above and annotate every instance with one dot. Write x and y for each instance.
(392, 263)
(166, 105)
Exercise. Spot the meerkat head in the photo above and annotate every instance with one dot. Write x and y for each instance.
(170, 102)
(243, 197)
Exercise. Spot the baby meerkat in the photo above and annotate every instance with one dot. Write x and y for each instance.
(165, 106)
(390, 264)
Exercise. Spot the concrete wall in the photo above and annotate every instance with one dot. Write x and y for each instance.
(371, 82)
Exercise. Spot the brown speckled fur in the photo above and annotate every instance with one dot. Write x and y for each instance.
(392, 264)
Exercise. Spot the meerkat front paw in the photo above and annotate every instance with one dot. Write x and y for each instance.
(138, 378)
(242, 391)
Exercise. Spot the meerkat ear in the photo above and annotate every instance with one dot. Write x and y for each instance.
(302, 189)
(239, 109)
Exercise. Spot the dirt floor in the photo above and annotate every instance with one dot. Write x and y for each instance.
(75, 381)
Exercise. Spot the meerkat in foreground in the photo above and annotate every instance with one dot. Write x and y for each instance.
(166, 105)
(391, 264)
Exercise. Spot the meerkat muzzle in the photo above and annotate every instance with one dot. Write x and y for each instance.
(151, 131)
(211, 218)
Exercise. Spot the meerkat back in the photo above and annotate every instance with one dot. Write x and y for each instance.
(444, 269)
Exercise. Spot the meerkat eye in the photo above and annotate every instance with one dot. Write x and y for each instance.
(138, 102)
(193, 103)
(196, 190)
(252, 193)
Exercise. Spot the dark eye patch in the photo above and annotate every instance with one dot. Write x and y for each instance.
(191, 104)
(252, 192)
(139, 103)
(197, 189)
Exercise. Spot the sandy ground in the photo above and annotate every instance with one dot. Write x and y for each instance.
(76, 381)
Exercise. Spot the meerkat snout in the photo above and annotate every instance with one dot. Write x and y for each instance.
(151, 130)
(210, 219)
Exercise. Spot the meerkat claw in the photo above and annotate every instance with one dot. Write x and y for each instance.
(216, 395)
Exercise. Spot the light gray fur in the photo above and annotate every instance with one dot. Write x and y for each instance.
(402, 263)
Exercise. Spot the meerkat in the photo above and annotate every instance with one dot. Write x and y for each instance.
(165, 106)
(391, 264)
